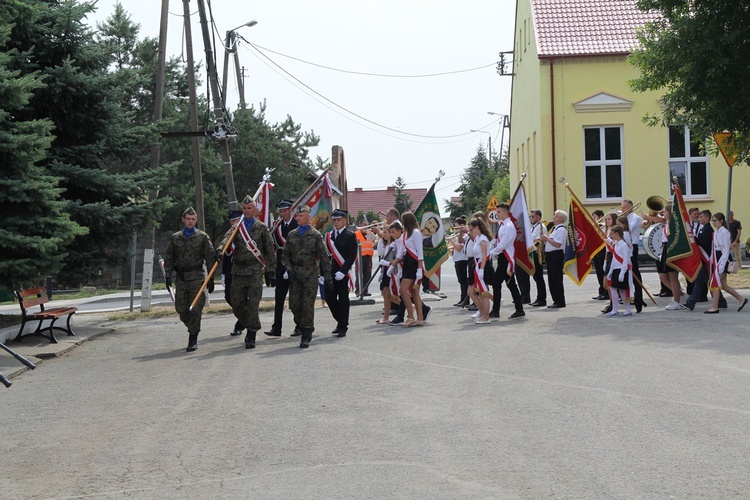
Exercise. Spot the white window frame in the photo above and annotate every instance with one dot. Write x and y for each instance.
(686, 162)
(603, 163)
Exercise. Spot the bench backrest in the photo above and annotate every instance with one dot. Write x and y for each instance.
(31, 297)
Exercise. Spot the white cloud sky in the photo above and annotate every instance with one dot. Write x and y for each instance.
(405, 37)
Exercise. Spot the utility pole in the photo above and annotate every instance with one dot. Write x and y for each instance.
(148, 253)
(193, 98)
(221, 131)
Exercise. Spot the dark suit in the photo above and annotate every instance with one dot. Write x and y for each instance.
(282, 285)
(704, 238)
(337, 297)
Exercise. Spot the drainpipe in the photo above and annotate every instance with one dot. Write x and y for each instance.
(552, 132)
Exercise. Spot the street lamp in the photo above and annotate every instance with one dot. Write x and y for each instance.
(489, 143)
(231, 48)
(506, 124)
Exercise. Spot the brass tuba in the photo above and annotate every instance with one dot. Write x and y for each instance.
(655, 205)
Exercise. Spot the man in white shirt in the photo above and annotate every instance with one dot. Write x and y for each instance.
(555, 250)
(505, 250)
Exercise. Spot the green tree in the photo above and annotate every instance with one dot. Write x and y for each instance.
(402, 201)
(481, 181)
(34, 229)
(696, 52)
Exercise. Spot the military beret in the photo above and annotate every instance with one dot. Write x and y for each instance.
(303, 208)
(339, 214)
(285, 204)
(234, 214)
(189, 211)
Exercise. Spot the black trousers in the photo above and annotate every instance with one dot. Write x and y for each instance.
(598, 262)
(337, 298)
(636, 274)
(524, 284)
(700, 283)
(555, 262)
(502, 276)
(541, 286)
(462, 275)
(280, 293)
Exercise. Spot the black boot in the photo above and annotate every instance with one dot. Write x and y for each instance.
(192, 342)
(306, 337)
(250, 340)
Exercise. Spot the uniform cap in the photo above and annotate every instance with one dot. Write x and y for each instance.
(234, 214)
(339, 214)
(285, 204)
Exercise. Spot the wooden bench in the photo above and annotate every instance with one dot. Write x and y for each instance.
(38, 297)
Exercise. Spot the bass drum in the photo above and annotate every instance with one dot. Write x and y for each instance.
(652, 243)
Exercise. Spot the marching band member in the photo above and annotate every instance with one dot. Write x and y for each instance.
(598, 261)
(412, 260)
(537, 231)
(620, 283)
(342, 245)
(389, 282)
(555, 249)
(483, 272)
(279, 235)
(719, 261)
(506, 260)
(610, 220)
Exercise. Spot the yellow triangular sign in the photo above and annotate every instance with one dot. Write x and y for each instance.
(492, 204)
(725, 141)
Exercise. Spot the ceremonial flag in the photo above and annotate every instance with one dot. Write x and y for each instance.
(584, 241)
(434, 247)
(262, 201)
(319, 200)
(524, 244)
(682, 250)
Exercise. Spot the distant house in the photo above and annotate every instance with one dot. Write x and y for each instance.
(573, 115)
(379, 200)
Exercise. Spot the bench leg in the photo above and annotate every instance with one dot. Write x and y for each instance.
(67, 328)
(39, 332)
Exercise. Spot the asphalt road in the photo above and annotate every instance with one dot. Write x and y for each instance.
(561, 404)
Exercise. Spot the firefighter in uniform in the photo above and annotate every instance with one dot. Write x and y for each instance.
(305, 259)
(188, 252)
(253, 251)
(280, 234)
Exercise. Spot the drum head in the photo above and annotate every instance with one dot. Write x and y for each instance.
(652, 243)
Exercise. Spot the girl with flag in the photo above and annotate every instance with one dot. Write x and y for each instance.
(483, 271)
(719, 261)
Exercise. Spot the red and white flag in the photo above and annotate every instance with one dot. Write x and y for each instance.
(524, 244)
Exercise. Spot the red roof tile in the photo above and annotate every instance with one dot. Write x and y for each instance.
(379, 199)
(586, 27)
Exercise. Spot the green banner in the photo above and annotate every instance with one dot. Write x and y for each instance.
(434, 247)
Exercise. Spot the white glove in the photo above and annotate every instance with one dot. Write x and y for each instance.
(321, 280)
(285, 276)
(419, 274)
(390, 271)
(384, 262)
(338, 276)
(480, 273)
(223, 280)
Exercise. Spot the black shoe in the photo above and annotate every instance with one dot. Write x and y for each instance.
(638, 307)
(426, 311)
(709, 311)
(517, 314)
(367, 294)
(341, 333)
(250, 340)
(538, 303)
(458, 304)
(296, 332)
(337, 330)
(601, 297)
(235, 333)
(396, 321)
(272, 333)
(494, 315)
(192, 343)
(556, 306)
(607, 309)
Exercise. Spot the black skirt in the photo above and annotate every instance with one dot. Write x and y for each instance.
(410, 267)
(623, 284)
(662, 266)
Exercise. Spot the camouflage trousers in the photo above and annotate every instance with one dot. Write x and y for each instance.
(245, 299)
(184, 294)
(302, 295)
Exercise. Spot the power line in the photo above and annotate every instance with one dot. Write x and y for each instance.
(464, 134)
(362, 73)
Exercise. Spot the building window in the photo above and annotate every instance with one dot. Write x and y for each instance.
(687, 163)
(602, 162)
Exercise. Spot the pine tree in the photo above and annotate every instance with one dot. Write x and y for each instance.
(34, 230)
(402, 201)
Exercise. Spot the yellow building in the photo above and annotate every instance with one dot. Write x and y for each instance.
(573, 115)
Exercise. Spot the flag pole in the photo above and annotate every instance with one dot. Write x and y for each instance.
(210, 274)
(303, 195)
(518, 187)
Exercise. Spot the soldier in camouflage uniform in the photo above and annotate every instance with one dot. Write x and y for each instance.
(305, 258)
(248, 270)
(187, 252)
